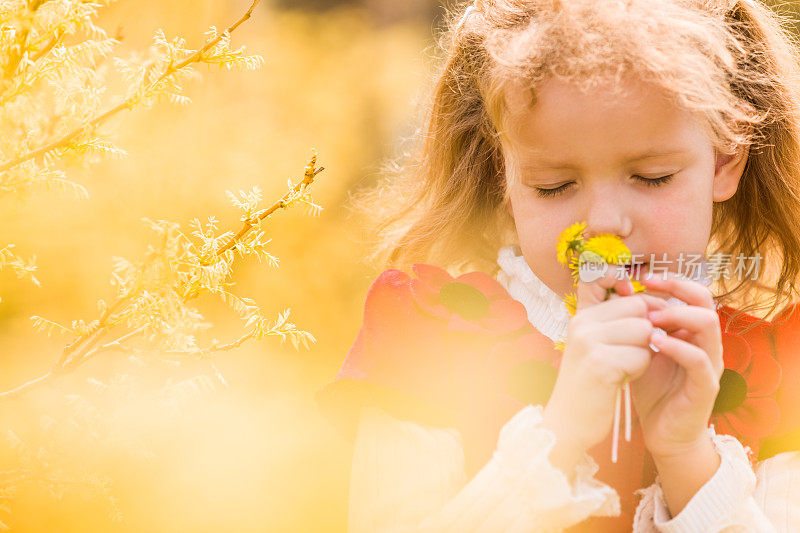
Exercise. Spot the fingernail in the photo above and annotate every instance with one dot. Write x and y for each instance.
(654, 315)
(655, 340)
(657, 337)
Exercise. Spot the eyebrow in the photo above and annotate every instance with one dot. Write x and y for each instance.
(631, 158)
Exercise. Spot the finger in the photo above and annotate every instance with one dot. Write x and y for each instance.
(653, 301)
(701, 323)
(623, 286)
(632, 331)
(591, 293)
(688, 291)
(681, 334)
(627, 362)
(700, 376)
(636, 305)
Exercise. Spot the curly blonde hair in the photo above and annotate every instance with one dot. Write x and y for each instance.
(733, 65)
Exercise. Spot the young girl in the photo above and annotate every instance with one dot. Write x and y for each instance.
(671, 123)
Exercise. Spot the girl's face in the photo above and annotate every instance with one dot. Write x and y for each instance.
(632, 164)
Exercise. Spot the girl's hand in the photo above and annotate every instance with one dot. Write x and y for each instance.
(675, 395)
(607, 342)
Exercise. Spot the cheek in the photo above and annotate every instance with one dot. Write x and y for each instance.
(681, 222)
(538, 226)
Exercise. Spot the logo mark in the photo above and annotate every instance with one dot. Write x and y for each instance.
(591, 266)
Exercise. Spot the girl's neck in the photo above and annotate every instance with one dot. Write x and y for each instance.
(546, 311)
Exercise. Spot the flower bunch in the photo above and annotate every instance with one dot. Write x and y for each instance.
(575, 251)
(596, 253)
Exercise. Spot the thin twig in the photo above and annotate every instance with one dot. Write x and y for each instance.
(90, 350)
(28, 385)
(74, 345)
(54, 40)
(280, 204)
(67, 366)
(215, 347)
(117, 343)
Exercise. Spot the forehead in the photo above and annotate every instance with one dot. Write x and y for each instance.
(613, 121)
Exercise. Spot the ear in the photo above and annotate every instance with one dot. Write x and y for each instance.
(728, 170)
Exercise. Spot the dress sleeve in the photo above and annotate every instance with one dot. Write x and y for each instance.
(778, 490)
(735, 498)
(409, 477)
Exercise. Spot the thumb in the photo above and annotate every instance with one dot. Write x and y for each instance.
(593, 284)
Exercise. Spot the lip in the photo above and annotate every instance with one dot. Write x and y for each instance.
(636, 270)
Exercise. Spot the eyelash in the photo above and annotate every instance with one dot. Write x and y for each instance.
(654, 182)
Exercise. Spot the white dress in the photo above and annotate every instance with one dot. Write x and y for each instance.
(408, 477)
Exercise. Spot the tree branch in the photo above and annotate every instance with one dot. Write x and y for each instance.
(85, 346)
(308, 178)
(58, 143)
(27, 386)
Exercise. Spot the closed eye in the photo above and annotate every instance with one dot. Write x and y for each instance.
(649, 182)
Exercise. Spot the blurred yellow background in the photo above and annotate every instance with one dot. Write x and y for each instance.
(166, 450)
(119, 446)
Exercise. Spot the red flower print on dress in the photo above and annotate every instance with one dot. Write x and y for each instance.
(787, 349)
(423, 346)
(473, 301)
(520, 362)
(745, 406)
(526, 368)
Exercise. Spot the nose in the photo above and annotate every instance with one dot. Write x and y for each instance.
(606, 212)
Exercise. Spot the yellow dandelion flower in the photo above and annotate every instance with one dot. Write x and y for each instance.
(638, 286)
(574, 267)
(559, 345)
(570, 241)
(609, 247)
(571, 302)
